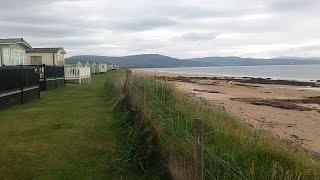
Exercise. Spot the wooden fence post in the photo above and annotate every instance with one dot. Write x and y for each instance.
(126, 83)
(199, 148)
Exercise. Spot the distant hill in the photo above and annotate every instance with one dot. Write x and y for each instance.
(140, 61)
(296, 58)
(160, 61)
(238, 61)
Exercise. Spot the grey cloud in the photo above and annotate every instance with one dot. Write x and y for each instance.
(16, 4)
(311, 48)
(167, 26)
(192, 12)
(297, 6)
(70, 42)
(34, 19)
(30, 30)
(136, 24)
(200, 10)
(195, 37)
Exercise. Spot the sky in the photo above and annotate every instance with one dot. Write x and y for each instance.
(177, 28)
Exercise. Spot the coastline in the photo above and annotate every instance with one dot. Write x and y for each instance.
(183, 70)
(285, 108)
(241, 79)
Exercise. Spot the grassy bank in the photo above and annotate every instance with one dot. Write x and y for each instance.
(232, 150)
(136, 155)
(67, 134)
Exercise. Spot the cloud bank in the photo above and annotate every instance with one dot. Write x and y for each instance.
(179, 28)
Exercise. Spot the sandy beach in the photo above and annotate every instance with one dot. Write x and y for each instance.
(290, 111)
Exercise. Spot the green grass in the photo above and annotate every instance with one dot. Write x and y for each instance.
(67, 134)
(251, 154)
(74, 133)
(135, 156)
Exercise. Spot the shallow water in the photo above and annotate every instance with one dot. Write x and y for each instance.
(286, 72)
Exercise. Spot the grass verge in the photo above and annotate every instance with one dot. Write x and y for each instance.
(67, 134)
(137, 147)
(232, 150)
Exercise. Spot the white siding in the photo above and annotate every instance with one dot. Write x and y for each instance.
(13, 55)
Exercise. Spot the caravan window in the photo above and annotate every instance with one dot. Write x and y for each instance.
(15, 58)
(6, 56)
(18, 58)
(21, 58)
(36, 60)
(60, 59)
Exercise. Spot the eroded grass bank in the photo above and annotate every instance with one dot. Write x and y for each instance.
(232, 150)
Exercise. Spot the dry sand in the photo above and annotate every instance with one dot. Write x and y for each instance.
(275, 108)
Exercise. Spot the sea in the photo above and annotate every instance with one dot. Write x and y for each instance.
(283, 72)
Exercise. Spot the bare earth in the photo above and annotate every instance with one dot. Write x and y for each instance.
(289, 112)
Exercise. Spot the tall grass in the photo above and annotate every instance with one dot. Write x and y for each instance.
(136, 147)
(232, 150)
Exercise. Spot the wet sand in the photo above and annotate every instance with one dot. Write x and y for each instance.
(289, 110)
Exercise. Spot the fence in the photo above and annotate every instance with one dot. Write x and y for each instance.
(18, 85)
(51, 77)
(192, 143)
(80, 74)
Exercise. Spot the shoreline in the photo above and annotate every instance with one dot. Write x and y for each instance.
(241, 79)
(289, 110)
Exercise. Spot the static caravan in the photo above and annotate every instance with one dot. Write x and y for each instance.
(79, 64)
(113, 66)
(94, 68)
(78, 73)
(87, 64)
(13, 51)
(103, 67)
(47, 56)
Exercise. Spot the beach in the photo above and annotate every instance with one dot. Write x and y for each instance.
(290, 110)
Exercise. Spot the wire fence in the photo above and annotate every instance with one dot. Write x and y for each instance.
(181, 133)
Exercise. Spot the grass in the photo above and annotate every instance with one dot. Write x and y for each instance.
(232, 150)
(78, 132)
(67, 134)
(136, 151)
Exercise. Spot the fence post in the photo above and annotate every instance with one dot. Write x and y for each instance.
(199, 148)
(22, 83)
(44, 77)
(64, 77)
(55, 74)
(126, 83)
(38, 80)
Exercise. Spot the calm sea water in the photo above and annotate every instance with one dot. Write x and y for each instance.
(286, 72)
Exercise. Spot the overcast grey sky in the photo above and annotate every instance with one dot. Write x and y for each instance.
(178, 28)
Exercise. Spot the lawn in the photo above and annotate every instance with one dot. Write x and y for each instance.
(68, 133)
